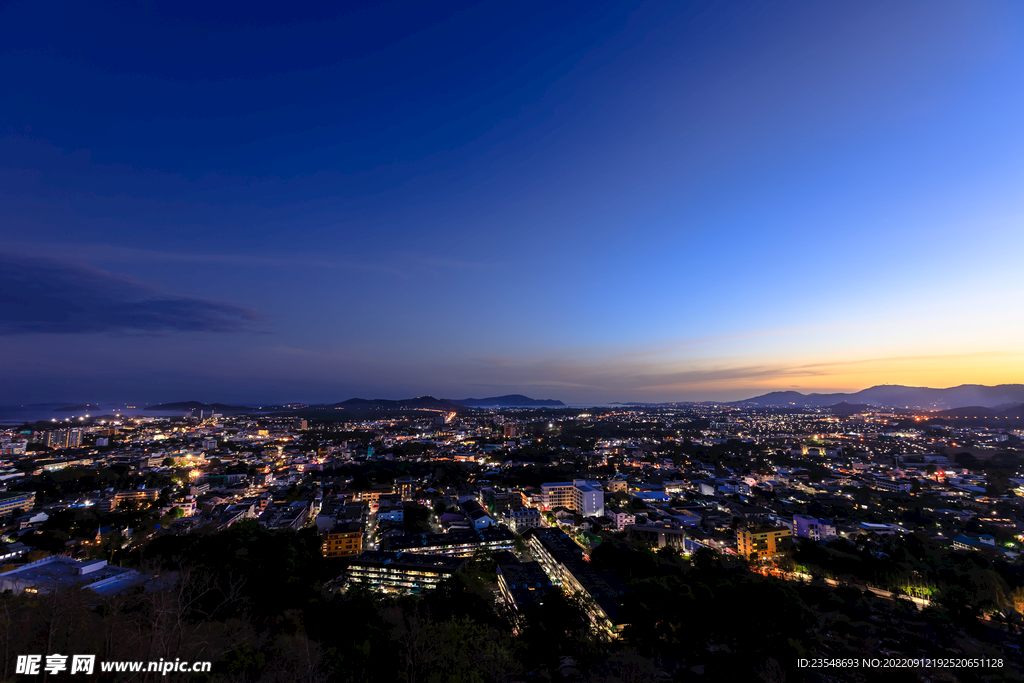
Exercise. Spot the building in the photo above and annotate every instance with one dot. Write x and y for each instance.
(660, 535)
(653, 497)
(556, 495)
(522, 584)
(522, 518)
(121, 497)
(390, 508)
(405, 487)
(881, 529)
(60, 571)
(20, 500)
(499, 502)
(293, 516)
(616, 485)
(580, 496)
(562, 560)
(401, 572)
(621, 519)
(763, 543)
(345, 539)
(64, 438)
(475, 513)
(372, 496)
(461, 543)
(892, 485)
(813, 528)
(983, 542)
(12, 551)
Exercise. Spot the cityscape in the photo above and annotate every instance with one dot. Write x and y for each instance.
(618, 341)
(607, 543)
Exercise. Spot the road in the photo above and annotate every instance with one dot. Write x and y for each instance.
(920, 603)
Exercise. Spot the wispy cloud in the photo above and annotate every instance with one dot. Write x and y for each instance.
(402, 264)
(46, 296)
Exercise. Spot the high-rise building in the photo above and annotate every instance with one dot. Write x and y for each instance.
(405, 487)
(63, 438)
(58, 438)
(580, 496)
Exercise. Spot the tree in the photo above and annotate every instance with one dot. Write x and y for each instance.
(168, 462)
(997, 484)
(520, 544)
(967, 460)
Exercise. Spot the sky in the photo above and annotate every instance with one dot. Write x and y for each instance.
(588, 201)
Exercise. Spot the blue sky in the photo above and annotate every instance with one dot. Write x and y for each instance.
(591, 202)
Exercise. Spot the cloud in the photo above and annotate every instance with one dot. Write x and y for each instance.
(44, 296)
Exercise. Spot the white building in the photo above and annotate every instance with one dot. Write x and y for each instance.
(622, 519)
(522, 518)
(812, 528)
(580, 496)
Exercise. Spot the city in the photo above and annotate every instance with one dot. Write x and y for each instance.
(526, 518)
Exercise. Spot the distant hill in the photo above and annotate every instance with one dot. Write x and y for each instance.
(845, 409)
(359, 405)
(897, 396)
(1014, 412)
(510, 401)
(362, 405)
(186, 406)
(77, 409)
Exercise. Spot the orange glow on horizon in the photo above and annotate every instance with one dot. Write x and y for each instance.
(828, 376)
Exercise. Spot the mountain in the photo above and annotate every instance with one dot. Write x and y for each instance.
(897, 396)
(185, 406)
(510, 401)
